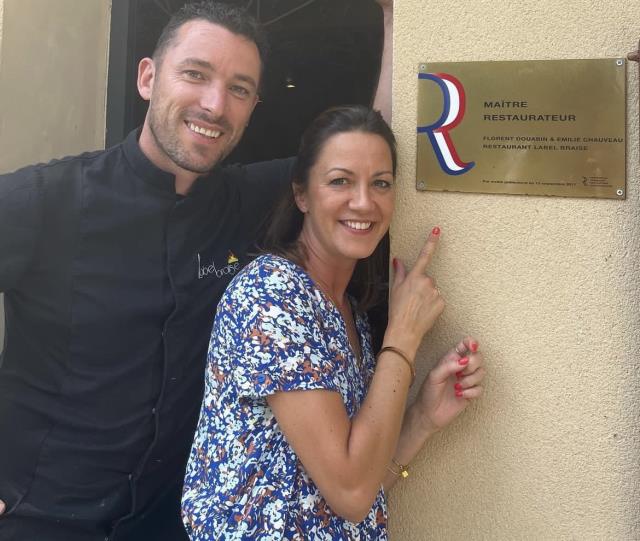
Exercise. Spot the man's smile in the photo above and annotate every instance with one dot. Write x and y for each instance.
(213, 134)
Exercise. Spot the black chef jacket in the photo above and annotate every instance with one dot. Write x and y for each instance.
(111, 282)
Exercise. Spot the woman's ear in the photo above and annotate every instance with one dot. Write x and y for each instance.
(300, 197)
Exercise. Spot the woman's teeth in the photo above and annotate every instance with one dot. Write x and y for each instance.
(360, 226)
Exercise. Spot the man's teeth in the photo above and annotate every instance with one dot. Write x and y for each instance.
(214, 134)
(357, 225)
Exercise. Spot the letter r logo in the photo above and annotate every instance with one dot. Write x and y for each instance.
(452, 114)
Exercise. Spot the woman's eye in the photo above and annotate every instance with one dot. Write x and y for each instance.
(338, 181)
(380, 183)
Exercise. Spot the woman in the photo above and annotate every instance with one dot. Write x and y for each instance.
(302, 429)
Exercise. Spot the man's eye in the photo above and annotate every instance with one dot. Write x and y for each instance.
(240, 91)
(192, 74)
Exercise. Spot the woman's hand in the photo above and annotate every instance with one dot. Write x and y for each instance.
(451, 385)
(415, 302)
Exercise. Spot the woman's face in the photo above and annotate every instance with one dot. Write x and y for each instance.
(349, 200)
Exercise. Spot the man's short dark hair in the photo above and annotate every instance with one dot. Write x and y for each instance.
(235, 19)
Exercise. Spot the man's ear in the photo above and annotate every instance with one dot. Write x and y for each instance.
(146, 76)
(256, 101)
(300, 197)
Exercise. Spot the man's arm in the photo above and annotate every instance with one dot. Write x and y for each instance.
(20, 224)
(383, 97)
(266, 183)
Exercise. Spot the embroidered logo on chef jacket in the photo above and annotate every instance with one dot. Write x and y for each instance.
(210, 269)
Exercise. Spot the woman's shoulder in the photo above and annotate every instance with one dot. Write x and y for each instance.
(267, 265)
(276, 263)
(272, 274)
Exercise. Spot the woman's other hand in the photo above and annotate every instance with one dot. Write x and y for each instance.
(451, 385)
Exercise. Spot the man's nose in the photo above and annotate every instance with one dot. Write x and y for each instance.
(214, 98)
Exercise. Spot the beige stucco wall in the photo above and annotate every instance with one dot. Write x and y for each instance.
(551, 288)
(53, 65)
(53, 78)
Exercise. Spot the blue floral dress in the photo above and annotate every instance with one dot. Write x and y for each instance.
(274, 331)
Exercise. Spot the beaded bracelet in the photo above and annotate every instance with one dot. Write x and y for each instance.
(403, 357)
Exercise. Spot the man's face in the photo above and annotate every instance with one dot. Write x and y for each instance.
(202, 93)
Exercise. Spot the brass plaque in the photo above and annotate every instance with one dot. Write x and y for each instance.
(548, 127)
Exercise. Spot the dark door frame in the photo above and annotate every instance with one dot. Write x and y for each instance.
(121, 70)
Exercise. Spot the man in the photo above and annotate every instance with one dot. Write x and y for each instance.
(112, 263)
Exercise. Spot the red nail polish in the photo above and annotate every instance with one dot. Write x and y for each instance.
(459, 374)
(458, 386)
(435, 231)
(394, 262)
(473, 346)
(464, 361)
(458, 393)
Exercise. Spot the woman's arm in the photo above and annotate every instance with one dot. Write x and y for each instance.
(348, 458)
(444, 394)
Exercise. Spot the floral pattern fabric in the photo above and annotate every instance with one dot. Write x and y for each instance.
(274, 331)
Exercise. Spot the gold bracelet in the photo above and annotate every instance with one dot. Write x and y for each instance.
(402, 469)
(403, 357)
